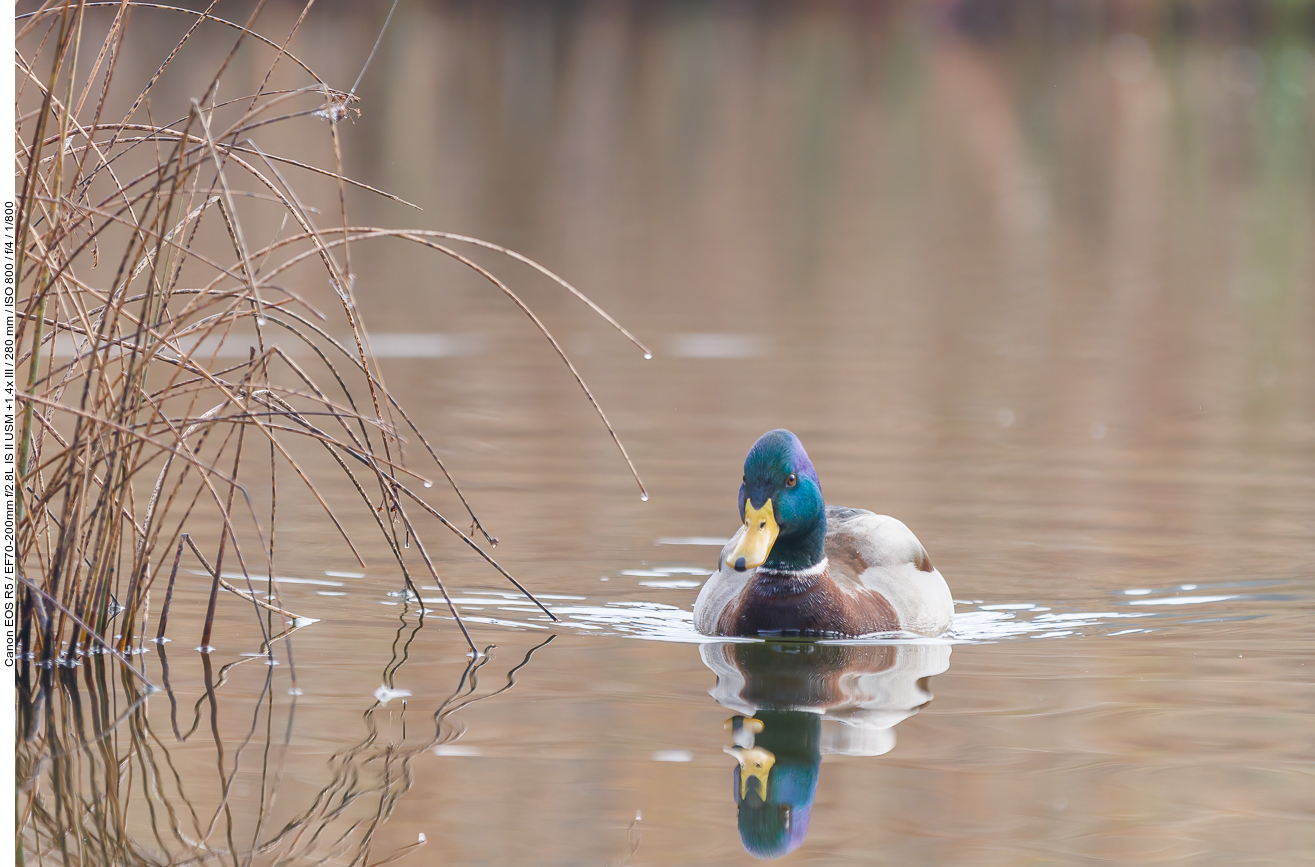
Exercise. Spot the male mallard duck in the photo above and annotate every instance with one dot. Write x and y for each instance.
(798, 566)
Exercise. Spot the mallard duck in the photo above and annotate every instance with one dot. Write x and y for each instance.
(799, 567)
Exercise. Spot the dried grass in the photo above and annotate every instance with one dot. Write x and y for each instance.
(145, 446)
(138, 252)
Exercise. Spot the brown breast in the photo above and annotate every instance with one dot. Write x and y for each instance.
(813, 607)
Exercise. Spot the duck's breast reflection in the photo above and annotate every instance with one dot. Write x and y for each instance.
(867, 688)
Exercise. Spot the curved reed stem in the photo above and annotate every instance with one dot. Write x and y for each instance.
(139, 259)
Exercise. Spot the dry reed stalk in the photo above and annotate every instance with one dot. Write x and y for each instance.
(169, 592)
(133, 422)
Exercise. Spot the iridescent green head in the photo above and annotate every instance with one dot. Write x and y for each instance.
(775, 806)
(782, 507)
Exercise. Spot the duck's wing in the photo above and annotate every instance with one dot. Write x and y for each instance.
(879, 553)
(720, 590)
(881, 700)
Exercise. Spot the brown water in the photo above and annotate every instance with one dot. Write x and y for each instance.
(1050, 301)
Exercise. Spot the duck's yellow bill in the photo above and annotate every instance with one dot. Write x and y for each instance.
(755, 764)
(760, 532)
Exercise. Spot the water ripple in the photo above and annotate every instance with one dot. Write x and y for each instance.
(1123, 613)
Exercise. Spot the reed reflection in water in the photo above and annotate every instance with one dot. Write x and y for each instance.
(101, 783)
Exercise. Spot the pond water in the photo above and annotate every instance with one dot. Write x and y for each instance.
(1048, 300)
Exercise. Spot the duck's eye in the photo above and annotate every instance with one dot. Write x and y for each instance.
(791, 480)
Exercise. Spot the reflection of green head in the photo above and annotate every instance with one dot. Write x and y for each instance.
(775, 825)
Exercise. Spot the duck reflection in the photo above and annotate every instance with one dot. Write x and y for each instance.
(796, 701)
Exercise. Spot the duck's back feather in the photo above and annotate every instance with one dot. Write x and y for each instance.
(880, 553)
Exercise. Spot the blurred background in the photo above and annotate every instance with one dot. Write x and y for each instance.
(978, 253)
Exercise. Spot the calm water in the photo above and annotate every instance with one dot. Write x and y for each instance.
(1050, 301)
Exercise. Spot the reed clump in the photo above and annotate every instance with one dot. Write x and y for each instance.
(172, 381)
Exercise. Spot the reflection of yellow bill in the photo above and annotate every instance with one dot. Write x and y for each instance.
(747, 723)
(755, 764)
(760, 531)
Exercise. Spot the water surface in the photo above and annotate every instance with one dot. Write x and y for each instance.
(1048, 301)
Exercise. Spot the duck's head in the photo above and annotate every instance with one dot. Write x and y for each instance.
(781, 506)
(776, 781)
